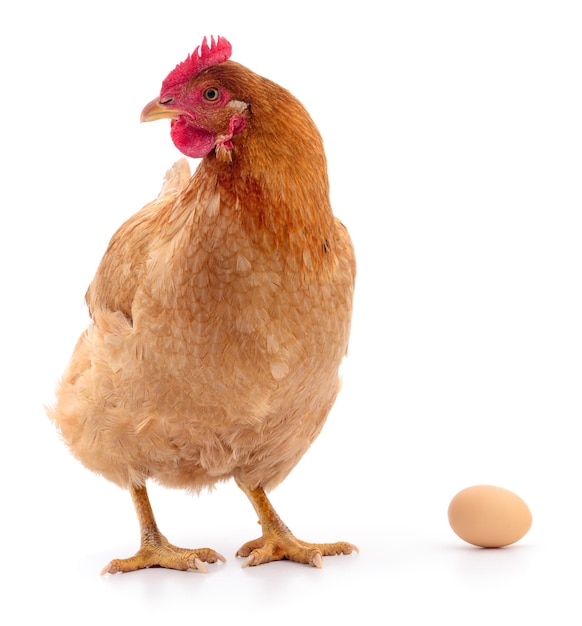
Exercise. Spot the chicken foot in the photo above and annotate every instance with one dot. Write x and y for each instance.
(278, 542)
(155, 549)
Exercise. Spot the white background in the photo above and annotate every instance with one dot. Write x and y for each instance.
(454, 137)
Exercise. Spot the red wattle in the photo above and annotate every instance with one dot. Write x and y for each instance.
(191, 141)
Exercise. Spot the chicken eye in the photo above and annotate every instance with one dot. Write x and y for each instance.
(211, 94)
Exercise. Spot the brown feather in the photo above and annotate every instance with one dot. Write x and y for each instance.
(220, 314)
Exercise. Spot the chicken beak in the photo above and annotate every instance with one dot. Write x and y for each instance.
(154, 110)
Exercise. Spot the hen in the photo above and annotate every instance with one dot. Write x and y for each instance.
(220, 313)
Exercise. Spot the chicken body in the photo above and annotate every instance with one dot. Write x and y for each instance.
(220, 316)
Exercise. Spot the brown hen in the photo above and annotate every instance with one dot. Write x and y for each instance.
(220, 313)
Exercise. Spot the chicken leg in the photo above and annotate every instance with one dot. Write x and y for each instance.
(278, 542)
(155, 549)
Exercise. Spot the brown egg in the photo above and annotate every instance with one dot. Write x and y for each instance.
(488, 516)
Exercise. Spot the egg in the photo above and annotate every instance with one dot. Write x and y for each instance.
(489, 516)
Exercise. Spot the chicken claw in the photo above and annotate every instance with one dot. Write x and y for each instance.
(155, 549)
(284, 545)
(278, 542)
(161, 553)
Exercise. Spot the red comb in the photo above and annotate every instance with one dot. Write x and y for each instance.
(203, 56)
